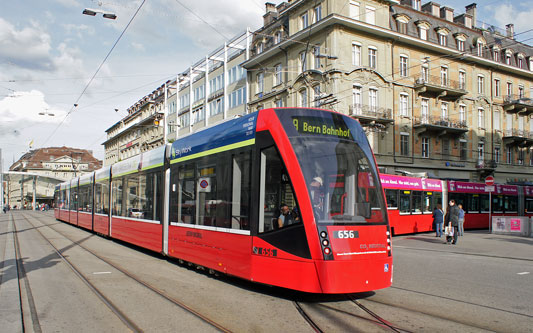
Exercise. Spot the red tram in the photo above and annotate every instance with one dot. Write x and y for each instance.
(411, 201)
(213, 198)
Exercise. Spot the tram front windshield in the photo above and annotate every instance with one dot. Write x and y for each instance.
(341, 181)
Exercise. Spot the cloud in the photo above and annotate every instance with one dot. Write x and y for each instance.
(79, 30)
(138, 46)
(27, 48)
(519, 15)
(69, 3)
(24, 107)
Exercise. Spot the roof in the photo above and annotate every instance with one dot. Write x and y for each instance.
(34, 158)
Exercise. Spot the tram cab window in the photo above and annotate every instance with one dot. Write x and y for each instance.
(405, 202)
(510, 204)
(392, 198)
(277, 191)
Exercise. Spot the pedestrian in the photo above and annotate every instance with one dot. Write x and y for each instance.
(452, 220)
(461, 220)
(5, 209)
(438, 219)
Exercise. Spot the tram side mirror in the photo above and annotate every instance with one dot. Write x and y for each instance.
(363, 209)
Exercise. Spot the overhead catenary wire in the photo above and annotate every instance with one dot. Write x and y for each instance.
(95, 73)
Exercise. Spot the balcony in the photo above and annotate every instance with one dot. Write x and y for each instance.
(518, 137)
(485, 168)
(518, 104)
(439, 125)
(367, 114)
(439, 87)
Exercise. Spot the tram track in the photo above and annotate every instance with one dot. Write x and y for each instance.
(130, 275)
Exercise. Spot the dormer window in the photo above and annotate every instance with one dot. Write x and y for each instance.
(423, 28)
(508, 56)
(401, 21)
(496, 54)
(520, 60)
(277, 37)
(442, 34)
(480, 45)
(259, 48)
(460, 40)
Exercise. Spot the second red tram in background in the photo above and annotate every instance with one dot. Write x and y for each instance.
(412, 200)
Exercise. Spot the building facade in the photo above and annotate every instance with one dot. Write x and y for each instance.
(438, 94)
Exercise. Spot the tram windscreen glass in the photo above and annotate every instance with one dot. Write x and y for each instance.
(338, 166)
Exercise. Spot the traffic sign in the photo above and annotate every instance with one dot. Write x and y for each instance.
(489, 188)
(489, 181)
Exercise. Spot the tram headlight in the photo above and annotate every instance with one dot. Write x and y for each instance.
(323, 234)
(325, 242)
(327, 250)
(388, 233)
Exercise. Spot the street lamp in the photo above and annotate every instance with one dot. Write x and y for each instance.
(46, 113)
(93, 12)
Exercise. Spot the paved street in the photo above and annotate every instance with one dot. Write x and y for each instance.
(481, 284)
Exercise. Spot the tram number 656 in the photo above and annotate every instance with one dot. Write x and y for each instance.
(347, 234)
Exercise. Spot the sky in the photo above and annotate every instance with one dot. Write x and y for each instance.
(49, 51)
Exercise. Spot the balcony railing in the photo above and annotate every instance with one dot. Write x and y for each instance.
(518, 133)
(441, 121)
(370, 111)
(482, 164)
(440, 81)
(517, 99)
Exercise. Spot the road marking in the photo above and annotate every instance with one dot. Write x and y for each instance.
(98, 273)
(523, 273)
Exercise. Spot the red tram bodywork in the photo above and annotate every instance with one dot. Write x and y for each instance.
(212, 198)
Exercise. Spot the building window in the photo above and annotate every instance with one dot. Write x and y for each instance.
(445, 147)
(425, 72)
(509, 89)
(462, 80)
(425, 147)
(444, 111)
(404, 64)
(370, 13)
(304, 20)
(278, 74)
(462, 114)
(480, 47)
(402, 27)
(521, 155)
(216, 106)
(357, 99)
(279, 103)
(481, 118)
(316, 96)
(316, 55)
(237, 97)
(480, 84)
(496, 87)
(460, 45)
(318, 13)
(259, 48)
(520, 92)
(404, 109)
(480, 152)
(198, 115)
(497, 154)
(425, 110)
(277, 38)
(416, 4)
(356, 54)
(531, 156)
(462, 150)
(444, 76)
(372, 57)
(302, 66)
(303, 98)
(509, 154)
(260, 82)
(373, 99)
(423, 32)
(443, 39)
(404, 144)
(354, 10)
(496, 55)
(497, 120)
(507, 59)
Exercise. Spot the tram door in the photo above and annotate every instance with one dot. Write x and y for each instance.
(275, 190)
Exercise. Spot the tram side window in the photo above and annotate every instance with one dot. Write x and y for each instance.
(529, 205)
(484, 203)
(416, 202)
(497, 203)
(427, 203)
(392, 199)
(437, 199)
(101, 197)
(473, 203)
(85, 196)
(241, 190)
(186, 194)
(116, 200)
(277, 191)
(142, 196)
(67, 199)
(510, 203)
(459, 198)
(74, 198)
(405, 202)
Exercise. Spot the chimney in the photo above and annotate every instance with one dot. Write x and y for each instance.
(509, 28)
(446, 13)
(471, 10)
(464, 19)
(432, 7)
(271, 13)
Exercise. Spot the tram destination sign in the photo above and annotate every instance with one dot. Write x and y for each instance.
(321, 126)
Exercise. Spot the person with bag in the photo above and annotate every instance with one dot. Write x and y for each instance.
(452, 222)
(438, 220)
